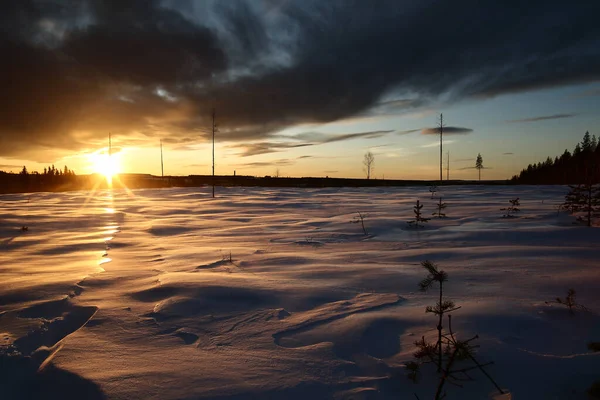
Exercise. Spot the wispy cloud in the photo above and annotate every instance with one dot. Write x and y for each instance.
(460, 169)
(282, 162)
(253, 149)
(321, 138)
(542, 118)
(587, 93)
(507, 154)
(305, 138)
(382, 145)
(397, 154)
(407, 132)
(448, 130)
(196, 165)
(394, 107)
(436, 144)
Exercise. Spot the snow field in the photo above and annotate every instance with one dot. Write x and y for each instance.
(273, 293)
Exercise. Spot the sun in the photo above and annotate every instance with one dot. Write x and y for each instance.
(107, 165)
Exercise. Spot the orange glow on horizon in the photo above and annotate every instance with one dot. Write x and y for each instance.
(105, 164)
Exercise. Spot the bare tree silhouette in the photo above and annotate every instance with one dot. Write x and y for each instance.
(369, 162)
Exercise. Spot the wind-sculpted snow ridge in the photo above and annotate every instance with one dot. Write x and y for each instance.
(273, 293)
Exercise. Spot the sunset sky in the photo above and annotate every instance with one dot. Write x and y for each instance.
(305, 87)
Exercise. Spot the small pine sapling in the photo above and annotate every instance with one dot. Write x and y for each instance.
(594, 390)
(584, 198)
(426, 351)
(512, 209)
(433, 189)
(442, 306)
(228, 259)
(594, 346)
(571, 203)
(448, 350)
(570, 302)
(440, 209)
(309, 240)
(413, 371)
(457, 350)
(360, 218)
(419, 219)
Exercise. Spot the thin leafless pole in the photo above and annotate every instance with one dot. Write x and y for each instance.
(214, 128)
(441, 126)
(162, 169)
(448, 168)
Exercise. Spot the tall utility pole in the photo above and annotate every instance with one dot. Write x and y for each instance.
(448, 168)
(162, 169)
(214, 128)
(441, 126)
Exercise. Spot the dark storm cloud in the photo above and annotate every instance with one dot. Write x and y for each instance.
(543, 118)
(140, 43)
(72, 70)
(65, 62)
(448, 130)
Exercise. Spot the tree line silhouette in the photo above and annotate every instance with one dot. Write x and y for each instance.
(582, 166)
(50, 179)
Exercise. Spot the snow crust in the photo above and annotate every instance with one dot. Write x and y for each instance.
(273, 293)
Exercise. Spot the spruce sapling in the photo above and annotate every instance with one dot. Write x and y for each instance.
(442, 306)
(594, 346)
(457, 350)
(360, 218)
(585, 198)
(512, 209)
(572, 201)
(594, 390)
(440, 208)
(433, 189)
(413, 371)
(418, 216)
(448, 350)
(570, 302)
